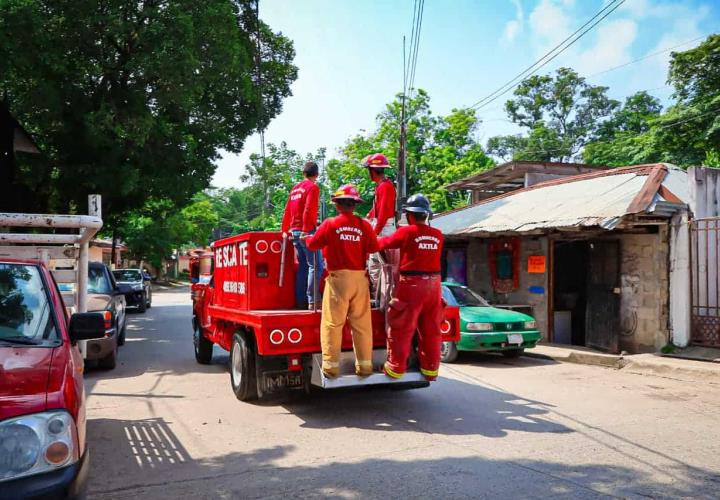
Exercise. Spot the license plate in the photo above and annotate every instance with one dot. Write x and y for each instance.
(515, 338)
(275, 381)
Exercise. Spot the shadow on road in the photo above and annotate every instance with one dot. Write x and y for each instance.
(148, 461)
(497, 361)
(448, 407)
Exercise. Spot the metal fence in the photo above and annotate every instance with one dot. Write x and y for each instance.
(705, 281)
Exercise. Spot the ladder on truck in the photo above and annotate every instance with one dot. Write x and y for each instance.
(28, 236)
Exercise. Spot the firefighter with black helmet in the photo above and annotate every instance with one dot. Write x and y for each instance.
(416, 304)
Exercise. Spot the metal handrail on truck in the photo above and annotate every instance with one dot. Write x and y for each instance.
(55, 250)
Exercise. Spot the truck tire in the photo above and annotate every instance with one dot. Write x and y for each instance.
(448, 352)
(203, 347)
(143, 304)
(110, 361)
(242, 369)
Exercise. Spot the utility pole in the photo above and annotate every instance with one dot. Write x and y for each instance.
(402, 169)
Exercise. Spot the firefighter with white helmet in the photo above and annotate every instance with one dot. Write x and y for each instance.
(416, 304)
(346, 239)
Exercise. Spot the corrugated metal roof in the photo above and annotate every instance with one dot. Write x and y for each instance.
(599, 199)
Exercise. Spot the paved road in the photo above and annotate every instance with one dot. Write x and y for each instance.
(161, 426)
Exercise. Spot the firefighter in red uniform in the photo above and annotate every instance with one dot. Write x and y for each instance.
(347, 240)
(417, 299)
(382, 216)
(300, 219)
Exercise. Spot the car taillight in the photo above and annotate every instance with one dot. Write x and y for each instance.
(107, 316)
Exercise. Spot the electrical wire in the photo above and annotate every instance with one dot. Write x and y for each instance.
(407, 61)
(551, 54)
(646, 57)
(657, 127)
(417, 43)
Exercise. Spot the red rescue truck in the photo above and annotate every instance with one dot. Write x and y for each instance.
(247, 308)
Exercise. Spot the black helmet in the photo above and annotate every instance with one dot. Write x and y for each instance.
(418, 204)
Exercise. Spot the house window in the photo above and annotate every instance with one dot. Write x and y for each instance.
(504, 259)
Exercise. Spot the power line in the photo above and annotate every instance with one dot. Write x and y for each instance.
(657, 127)
(552, 54)
(646, 57)
(417, 43)
(407, 62)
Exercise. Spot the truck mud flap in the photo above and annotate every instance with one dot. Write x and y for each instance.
(413, 378)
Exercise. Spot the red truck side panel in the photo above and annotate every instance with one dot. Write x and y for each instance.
(247, 272)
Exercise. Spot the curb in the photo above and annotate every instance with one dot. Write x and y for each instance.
(681, 369)
(582, 358)
(639, 364)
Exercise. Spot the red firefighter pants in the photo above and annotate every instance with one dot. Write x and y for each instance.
(416, 306)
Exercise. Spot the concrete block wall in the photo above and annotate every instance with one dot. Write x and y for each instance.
(644, 281)
(479, 279)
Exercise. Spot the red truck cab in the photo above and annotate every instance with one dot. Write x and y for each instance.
(43, 449)
(247, 308)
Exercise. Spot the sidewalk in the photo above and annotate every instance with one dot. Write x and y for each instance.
(643, 364)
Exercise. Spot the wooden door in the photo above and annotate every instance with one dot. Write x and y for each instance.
(602, 316)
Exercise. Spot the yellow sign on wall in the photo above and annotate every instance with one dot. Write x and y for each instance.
(536, 264)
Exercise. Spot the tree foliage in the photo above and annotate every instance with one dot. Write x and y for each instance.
(157, 229)
(134, 99)
(624, 138)
(561, 115)
(687, 133)
(440, 150)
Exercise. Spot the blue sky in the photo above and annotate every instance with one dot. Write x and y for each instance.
(349, 55)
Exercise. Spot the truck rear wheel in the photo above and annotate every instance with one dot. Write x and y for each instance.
(203, 347)
(242, 369)
(448, 352)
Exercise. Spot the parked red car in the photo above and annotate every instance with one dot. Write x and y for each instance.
(43, 449)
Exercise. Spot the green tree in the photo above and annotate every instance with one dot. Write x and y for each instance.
(689, 133)
(561, 114)
(155, 230)
(626, 138)
(440, 150)
(134, 99)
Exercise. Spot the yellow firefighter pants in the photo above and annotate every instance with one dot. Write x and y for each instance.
(346, 299)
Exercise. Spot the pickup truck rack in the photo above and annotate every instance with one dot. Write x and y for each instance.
(64, 254)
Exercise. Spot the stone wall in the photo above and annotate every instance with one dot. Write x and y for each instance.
(479, 278)
(644, 281)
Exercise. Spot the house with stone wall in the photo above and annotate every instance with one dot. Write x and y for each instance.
(600, 259)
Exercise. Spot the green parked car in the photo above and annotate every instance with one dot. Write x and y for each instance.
(486, 328)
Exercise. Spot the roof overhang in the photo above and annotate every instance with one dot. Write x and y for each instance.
(511, 176)
(608, 199)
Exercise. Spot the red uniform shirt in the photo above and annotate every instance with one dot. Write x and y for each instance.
(302, 207)
(420, 247)
(347, 239)
(384, 204)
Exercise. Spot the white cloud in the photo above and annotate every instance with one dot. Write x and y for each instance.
(514, 27)
(550, 21)
(612, 47)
